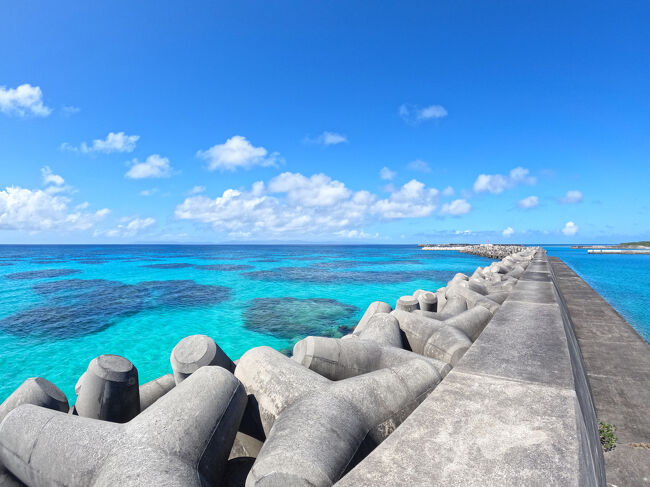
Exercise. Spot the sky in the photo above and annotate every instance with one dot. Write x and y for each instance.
(332, 122)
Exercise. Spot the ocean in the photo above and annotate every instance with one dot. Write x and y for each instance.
(63, 305)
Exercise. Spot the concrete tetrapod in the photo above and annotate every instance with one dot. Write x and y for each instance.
(318, 429)
(374, 308)
(195, 351)
(339, 359)
(36, 391)
(108, 390)
(155, 389)
(183, 439)
(433, 338)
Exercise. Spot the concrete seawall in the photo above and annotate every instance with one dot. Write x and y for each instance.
(617, 364)
(481, 382)
(516, 410)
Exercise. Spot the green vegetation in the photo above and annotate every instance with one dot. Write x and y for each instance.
(643, 243)
(607, 438)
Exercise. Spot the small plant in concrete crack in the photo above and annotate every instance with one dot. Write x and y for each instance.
(607, 438)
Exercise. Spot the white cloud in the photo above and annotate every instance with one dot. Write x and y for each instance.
(418, 165)
(197, 190)
(327, 138)
(412, 200)
(528, 202)
(456, 207)
(318, 190)
(149, 192)
(448, 191)
(50, 178)
(295, 205)
(114, 142)
(508, 232)
(129, 228)
(386, 174)
(570, 228)
(415, 114)
(25, 100)
(573, 196)
(235, 153)
(35, 210)
(463, 232)
(497, 183)
(154, 166)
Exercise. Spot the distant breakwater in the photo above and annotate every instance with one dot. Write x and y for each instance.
(267, 419)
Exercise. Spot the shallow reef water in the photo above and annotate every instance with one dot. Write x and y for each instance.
(75, 307)
(294, 319)
(55, 317)
(41, 274)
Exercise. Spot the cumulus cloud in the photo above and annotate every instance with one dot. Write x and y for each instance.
(497, 183)
(418, 165)
(572, 196)
(35, 210)
(456, 207)
(317, 190)
(414, 114)
(294, 204)
(413, 200)
(149, 192)
(570, 228)
(327, 138)
(448, 191)
(386, 174)
(128, 227)
(154, 166)
(114, 142)
(529, 202)
(235, 153)
(50, 178)
(25, 100)
(508, 232)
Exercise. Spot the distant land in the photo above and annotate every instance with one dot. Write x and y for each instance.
(642, 245)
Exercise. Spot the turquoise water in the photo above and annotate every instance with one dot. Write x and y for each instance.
(61, 306)
(623, 280)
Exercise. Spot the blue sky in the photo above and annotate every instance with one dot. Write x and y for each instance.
(391, 122)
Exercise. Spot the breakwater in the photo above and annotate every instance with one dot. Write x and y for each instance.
(333, 411)
(493, 251)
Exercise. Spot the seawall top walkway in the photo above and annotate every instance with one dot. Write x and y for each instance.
(516, 409)
(617, 364)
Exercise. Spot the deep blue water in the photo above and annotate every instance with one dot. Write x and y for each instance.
(61, 306)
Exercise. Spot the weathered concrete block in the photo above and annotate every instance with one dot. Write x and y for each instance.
(407, 303)
(338, 359)
(155, 389)
(472, 298)
(456, 303)
(383, 328)
(108, 390)
(433, 338)
(36, 391)
(183, 439)
(39, 392)
(427, 301)
(471, 322)
(317, 434)
(374, 307)
(194, 352)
